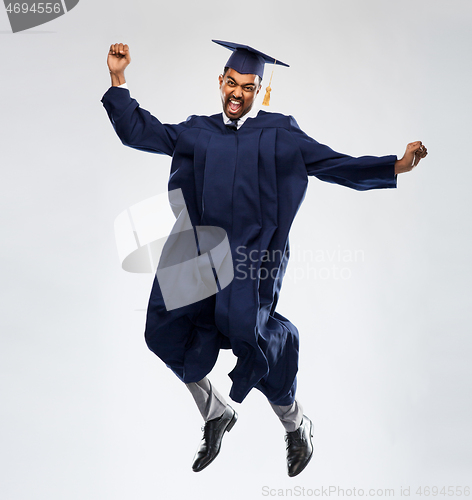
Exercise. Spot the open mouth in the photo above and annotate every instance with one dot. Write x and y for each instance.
(234, 105)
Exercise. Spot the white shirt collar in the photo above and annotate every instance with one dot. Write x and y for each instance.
(251, 114)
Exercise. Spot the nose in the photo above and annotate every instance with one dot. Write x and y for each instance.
(238, 92)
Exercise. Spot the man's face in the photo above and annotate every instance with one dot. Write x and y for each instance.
(238, 93)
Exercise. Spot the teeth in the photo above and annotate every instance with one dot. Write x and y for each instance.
(234, 102)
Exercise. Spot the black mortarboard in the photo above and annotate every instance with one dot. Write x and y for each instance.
(246, 60)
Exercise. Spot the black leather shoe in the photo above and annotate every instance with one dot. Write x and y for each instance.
(299, 447)
(213, 432)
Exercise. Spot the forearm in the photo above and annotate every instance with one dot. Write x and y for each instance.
(117, 79)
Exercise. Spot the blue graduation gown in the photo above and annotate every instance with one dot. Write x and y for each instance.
(250, 182)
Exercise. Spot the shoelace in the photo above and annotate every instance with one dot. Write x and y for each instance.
(296, 437)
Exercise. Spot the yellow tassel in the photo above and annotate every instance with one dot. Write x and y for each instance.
(266, 99)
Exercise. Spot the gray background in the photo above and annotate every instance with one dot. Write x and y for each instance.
(87, 411)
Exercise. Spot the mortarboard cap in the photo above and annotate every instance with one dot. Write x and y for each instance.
(246, 60)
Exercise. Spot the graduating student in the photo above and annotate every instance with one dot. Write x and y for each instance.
(245, 173)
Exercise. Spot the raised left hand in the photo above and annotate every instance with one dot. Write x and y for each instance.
(415, 151)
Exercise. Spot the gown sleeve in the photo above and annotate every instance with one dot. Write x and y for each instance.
(362, 173)
(136, 127)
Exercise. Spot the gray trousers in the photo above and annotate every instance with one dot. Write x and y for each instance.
(212, 405)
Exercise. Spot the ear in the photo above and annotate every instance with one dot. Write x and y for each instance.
(220, 79)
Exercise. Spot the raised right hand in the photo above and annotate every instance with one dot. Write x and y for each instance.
(118, 58)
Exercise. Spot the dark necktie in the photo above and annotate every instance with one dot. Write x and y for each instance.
(233, 125)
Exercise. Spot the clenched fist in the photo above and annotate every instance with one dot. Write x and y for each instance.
(415, 151)
(118, 59)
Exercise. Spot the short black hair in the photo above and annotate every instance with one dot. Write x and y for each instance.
(227, 68)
